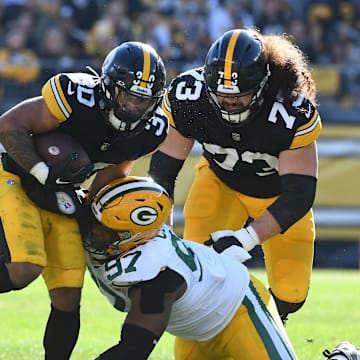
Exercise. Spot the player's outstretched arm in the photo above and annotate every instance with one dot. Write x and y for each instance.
(298, 175)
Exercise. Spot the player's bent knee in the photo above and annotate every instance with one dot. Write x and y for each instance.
(285, 308)
(65, 298)
(22, 274)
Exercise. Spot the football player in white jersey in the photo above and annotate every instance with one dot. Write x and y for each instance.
(252, 107)
(116, 118)
(209, 301)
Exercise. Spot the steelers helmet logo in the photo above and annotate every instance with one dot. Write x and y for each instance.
(65, 203)
(144, 215)
(54, 150)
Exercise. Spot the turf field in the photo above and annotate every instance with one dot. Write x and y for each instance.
(331, 315)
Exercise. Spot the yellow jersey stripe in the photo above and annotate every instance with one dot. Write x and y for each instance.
(308, 126)
(166, 107)
(146, 69)
(55, 99)
(59, 96)
(229, 57)
(307, 133)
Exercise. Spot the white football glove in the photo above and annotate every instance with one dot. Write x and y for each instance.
(246, 238)
(237, 253)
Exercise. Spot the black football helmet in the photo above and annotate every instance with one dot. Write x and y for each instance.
(132, 84)
(236, 65)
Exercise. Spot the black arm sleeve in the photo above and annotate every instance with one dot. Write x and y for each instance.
(153, 292)
(136, 343)
(296, 199)
(164, 170)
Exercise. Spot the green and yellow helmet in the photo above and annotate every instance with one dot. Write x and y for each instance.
(129, 211)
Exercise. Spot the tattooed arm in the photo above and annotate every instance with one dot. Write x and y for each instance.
(16, 125)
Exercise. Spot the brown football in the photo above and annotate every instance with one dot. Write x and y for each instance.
(55, 146)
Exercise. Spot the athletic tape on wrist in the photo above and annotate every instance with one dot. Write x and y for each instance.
(40, 171)
(248, 238)
(253, 234)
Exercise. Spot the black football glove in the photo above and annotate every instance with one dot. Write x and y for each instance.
(228, 245)
(222, 239)
(222, 243)
(61, 175)
(65, 201)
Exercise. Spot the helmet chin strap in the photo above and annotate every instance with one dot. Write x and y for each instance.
(132, 238)
(119, 125)
(235, 118)
(135, 240)
(231, 117)
(241, 116)
(114, 248)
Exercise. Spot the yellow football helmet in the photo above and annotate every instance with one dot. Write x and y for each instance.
(129, 211)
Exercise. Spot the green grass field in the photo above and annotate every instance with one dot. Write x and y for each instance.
(330, 316)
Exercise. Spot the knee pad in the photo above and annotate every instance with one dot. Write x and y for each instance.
(285, 308)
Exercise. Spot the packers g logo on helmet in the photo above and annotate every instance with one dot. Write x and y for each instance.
(144, 215)
(132, 209)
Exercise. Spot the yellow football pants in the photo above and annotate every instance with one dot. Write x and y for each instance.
(255, 332)
(40, 237)
(211, 205)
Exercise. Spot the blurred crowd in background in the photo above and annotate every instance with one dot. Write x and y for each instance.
(39, 38)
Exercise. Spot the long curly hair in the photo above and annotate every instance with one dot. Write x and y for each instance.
(289, 66)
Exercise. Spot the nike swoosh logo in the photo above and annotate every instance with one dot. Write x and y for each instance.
(61, 182)
(70, 90)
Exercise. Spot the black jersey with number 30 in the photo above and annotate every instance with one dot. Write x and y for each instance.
(245, 157)
(73, 99)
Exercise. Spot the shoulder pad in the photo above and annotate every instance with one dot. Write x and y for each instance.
(197, 73)
(189, 77)
(158, 126)
(301, 107)
(82, 79)
(159, 113)
(142, 263)
(65, 91)
(310, 124)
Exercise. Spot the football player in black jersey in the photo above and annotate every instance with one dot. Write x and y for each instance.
(252, 107)
(116, 118)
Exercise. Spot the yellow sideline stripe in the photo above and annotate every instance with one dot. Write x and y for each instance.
(341, 130)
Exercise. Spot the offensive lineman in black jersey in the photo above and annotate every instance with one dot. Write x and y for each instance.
(252, 108)
(116, 118)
